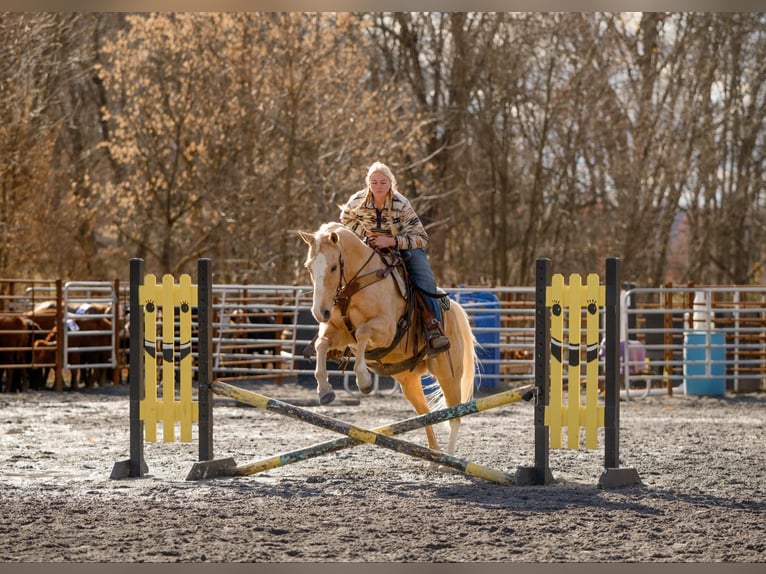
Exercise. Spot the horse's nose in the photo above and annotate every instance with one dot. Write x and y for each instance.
(326, 315)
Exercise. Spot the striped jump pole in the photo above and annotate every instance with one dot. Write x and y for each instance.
(361, 435)
(211, 469)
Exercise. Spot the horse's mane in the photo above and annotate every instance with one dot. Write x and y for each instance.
(336, 227)
(325, 231)
(331, 226)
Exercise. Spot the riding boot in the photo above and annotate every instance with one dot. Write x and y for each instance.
(438, 342)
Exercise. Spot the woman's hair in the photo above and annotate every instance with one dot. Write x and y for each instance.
(385, 170)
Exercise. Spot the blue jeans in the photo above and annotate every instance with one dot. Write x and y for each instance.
(420, 272)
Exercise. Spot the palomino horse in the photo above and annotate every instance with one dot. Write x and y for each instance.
(358, 305)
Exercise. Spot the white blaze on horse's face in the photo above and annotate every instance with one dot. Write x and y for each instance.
(320, 273)
(324, 277)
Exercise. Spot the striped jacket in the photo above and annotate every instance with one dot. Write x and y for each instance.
(396, 219)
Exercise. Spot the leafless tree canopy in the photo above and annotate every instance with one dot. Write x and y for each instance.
(572, 136)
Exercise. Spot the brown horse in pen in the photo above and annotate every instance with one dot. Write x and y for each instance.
(359, 306)
(17, 336)
(90, 344)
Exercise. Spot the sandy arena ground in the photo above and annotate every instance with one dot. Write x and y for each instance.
(701, 461)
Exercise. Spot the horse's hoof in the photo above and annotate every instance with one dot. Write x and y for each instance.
(327, 398)
(365, 390)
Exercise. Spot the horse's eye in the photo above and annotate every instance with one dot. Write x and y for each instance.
(334, 268)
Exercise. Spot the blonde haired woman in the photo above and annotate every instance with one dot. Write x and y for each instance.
(385, 219)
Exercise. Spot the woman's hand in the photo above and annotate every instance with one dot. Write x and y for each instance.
(381, 241)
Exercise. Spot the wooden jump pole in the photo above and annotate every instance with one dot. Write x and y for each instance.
(206, 470)
(360, 434)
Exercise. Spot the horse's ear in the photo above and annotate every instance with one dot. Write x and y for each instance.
(334, 237)
(307, 237)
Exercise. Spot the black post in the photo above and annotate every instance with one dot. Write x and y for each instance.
(540, 473)
(135, 466)
(612, 365)
(613, 475)
(204, 353)
(207, 467)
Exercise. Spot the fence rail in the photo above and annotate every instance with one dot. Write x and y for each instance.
(502, 320)
(654, 323)
(59, 308)
(260, 331)
(729, 321)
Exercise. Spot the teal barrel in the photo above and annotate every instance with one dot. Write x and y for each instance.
(704, 363)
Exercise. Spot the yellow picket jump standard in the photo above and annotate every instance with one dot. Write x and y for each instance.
(169, 410)
(556, 304)
(572, 300)
(172, 304)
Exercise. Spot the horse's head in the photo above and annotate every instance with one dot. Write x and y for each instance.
(325, 265)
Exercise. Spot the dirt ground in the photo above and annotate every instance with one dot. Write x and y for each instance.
(701, 461)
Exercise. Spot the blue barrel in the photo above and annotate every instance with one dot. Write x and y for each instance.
(704, 363)
(483, 307)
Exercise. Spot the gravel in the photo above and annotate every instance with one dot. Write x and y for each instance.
(701, 461)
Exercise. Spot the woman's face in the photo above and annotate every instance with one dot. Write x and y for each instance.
(379, 183)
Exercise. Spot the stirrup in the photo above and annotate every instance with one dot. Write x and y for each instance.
(438, 348)
(437, 342)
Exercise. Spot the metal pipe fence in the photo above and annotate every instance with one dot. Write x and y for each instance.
(260, 331)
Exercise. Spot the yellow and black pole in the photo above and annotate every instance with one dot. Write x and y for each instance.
(360, 434)
(203, 470)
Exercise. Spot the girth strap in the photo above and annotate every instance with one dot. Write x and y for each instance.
(390, 369)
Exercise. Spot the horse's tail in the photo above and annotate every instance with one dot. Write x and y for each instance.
(470, 358)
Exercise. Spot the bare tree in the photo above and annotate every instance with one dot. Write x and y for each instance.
(516, 135)
(43, 65)
(724, 198)
(438, 58)
(175, 134)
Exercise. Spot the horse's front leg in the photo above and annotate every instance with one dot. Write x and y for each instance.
(363, 378)
(324, 389)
